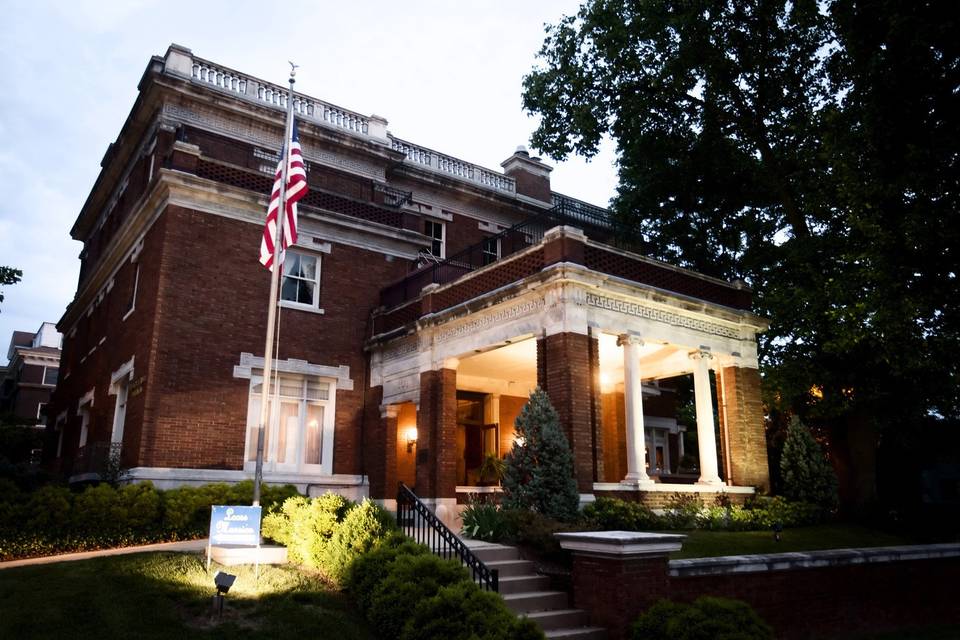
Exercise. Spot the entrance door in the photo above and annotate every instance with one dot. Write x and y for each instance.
(475, 439)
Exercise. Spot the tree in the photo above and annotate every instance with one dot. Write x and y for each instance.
(9, 275)
(806, 472)
(806, 147)
(538, 470)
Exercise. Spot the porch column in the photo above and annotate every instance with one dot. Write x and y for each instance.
(706, 439)
(633, 408)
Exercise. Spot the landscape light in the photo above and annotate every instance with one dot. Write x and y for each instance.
(223, 582)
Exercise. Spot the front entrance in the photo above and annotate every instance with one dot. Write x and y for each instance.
(476, 437)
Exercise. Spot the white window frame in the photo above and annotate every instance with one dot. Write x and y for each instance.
(270, 454)
(41, 405)
(83, 412)
(292, 304)
(44, 379)
(120, 386)
(133, 295)
(495, 254)
(428, 230)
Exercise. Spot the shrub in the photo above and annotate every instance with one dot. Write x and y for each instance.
(681, 511)
(616, 514)
(483, 521)
(535, 531)
(538, 470)
(807, 473)
(364, 526)
(410, 580)
(49, 510)
(306, 525)
(706, 619)
(370, 569)
(462, 611)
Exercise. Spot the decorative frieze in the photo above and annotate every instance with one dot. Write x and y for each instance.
(659, 315)
(485, 320)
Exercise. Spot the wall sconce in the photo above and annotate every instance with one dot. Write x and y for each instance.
(411, 436)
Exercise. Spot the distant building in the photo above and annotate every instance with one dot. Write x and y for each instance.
(426, 297)
(30, 376)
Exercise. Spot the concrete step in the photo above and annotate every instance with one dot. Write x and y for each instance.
(523, 584)
(536, 601)
(582, 633)
(513, 567)
(495, 553)
(559, 619)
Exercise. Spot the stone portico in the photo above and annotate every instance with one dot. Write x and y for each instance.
(599, 331)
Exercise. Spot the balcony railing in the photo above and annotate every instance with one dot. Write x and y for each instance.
(449, 165)
(566, 211)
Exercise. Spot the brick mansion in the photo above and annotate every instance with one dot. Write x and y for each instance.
(425, 299)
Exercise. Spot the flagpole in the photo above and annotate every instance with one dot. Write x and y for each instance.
(275, 275)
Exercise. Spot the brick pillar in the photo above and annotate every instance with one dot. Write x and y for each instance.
(437, 434)
(382, 454)
(565, 370)
(746, 441)
(619, 574)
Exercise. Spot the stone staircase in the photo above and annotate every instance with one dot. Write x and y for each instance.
(528, 594)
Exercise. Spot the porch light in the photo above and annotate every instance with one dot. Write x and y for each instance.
(411, 437)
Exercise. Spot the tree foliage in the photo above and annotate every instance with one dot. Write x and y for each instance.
(806, 147)
(538, 470)
(9, 275)
(806, 471)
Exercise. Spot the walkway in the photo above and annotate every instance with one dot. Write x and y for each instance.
(186, 546)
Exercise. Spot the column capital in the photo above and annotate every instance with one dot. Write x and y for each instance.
(629, 338)
(701, 354)
(389, 410)
(451, 363)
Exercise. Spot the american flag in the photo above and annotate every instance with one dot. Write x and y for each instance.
(296, 189)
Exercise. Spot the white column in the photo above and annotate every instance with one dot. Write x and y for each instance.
(633, 408)
(706, 439)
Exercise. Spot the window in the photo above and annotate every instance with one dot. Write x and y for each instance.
(490, 250)
(50, 375)
(301, 280)
(41, 409)
(436, 232)
(299, 436)
(120, 411)
(133, 292)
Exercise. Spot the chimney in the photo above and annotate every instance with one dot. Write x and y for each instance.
(532, 175)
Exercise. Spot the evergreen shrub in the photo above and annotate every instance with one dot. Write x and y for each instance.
(538, 471)
(462, 611)
(807, 474)
(367, 571)
(707, 618)
(364, 526)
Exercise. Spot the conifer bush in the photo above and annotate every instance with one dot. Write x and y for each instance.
(807, 473)
(707, 618)
(538, 471)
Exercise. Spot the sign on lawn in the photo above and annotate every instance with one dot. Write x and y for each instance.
(235, 525)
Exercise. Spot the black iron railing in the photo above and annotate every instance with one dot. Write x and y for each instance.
(419, 523)
(97, 457)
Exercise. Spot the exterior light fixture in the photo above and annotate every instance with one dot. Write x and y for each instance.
(223, 582)
(411, 436)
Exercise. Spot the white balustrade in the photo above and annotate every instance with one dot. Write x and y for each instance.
(206, 72)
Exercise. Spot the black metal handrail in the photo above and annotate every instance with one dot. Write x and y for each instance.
(418, 522)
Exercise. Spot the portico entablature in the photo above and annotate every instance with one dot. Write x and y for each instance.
(566, 298)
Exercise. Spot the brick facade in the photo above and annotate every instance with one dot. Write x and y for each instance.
(742, 424)
(567, 372)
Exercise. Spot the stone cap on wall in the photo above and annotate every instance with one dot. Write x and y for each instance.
(809, 559)
(620, 543)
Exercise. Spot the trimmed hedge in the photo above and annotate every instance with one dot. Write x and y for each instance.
(707, 618)
(53, 520)
(407, 593)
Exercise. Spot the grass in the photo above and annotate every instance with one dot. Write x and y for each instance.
(705, 544)
(168, 595)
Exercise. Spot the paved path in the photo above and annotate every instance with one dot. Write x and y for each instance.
(187, 546)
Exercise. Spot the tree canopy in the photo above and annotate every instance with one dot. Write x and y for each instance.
(807, 147)
(8, 275)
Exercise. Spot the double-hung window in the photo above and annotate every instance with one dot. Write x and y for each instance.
(300, 287)
(491, 250)
(436, 232)
(299, 435)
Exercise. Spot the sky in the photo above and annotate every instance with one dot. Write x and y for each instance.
(446, 75)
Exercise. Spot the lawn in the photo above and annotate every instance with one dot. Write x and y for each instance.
(704, 544)
(168, 595)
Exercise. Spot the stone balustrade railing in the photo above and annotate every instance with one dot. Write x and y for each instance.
(453, 166)
(182, 61)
